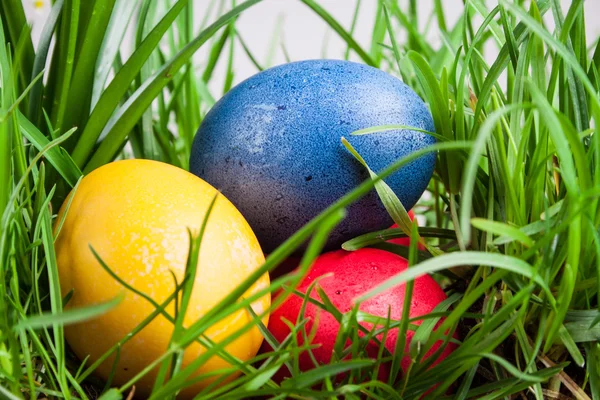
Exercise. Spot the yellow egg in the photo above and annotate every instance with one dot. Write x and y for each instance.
(135, 214)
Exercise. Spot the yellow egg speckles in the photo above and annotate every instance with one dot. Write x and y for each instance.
(135, 214)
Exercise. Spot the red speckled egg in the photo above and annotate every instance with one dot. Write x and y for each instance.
(352, 274)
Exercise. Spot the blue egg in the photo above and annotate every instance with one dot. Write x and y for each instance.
(273, 146)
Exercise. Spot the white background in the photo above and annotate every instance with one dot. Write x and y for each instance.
(304, 33)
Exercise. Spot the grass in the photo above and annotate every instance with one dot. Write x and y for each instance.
(512, 223)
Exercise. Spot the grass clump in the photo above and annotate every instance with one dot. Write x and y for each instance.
(512, 223)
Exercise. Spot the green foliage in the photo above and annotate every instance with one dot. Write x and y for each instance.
(512, 226)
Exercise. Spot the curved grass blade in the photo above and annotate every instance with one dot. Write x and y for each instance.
(390, 201)
(59, 158)
(384, 128)
(384, 235)
(67, 317)
(446, 261)
(503, 230)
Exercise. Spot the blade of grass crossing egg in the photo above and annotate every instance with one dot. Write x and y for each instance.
(384, 235)
(383, 128)
(390, 201)
(159, 309)
(406, 307)
(191, 268)
(71, 316)
(421, 343)
(502, 262)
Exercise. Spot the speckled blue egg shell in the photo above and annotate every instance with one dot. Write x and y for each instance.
(273, 146)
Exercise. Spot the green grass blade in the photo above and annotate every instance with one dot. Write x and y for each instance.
(216, 52)
(378, 35)
(71, 316)
(67, 43)
(56, 156)
(80, 95)
(6, 147)
(503, 230)
(308, 378)
(372, 238)
(384, 128)
(115, 32)
(593, 368)
(389, 199)
(41, 55)
(456, 259)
